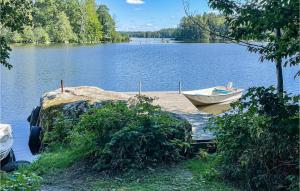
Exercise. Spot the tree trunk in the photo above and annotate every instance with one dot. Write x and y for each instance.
(279, 75)
(278, 63)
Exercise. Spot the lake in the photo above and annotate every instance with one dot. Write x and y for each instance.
(119, 67)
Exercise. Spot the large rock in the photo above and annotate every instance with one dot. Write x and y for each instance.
(81, 93)
(70, 104)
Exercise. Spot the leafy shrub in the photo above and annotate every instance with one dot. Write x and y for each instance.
(258, 141)
(25, 180)
(58, 121)
(120, 136)
(60, 131)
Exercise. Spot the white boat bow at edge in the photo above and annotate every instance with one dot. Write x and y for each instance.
(6, 140)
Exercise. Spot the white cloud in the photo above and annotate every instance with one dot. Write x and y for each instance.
(135, 2)
(149, 24)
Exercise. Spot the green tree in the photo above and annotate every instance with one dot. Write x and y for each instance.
(41, 36)
(62, 30)
(63, 21)
(275, 22)
(45, 14)
(28, 35)
(166, 33)
(187, 31)
(16, 37)
(13, 15)
(73, 11)
(91, 29)
(6, 32)
(215, 23)
(107, 22)
(163, 33)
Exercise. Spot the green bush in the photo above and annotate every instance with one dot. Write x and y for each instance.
(59, 121)
(22, 180)
(135, 135)
(258, 141)
(59, 133)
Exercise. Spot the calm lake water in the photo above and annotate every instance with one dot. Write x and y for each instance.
(119, 67)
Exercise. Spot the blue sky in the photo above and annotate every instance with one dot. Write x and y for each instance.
(150, 15)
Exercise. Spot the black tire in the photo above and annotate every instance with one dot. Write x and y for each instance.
(34, 116)
(12, 166)
(34, 142)
(29, 118)
(8, 159)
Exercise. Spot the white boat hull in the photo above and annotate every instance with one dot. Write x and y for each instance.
(6, 140)
(205, 97)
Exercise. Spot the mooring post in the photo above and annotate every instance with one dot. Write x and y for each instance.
(140, 88)
(62, 86)
(179, 87)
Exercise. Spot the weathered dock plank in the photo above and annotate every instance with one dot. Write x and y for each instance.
(179, 104)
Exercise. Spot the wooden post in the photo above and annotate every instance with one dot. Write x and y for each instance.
(179, 87)
(140, 88)
(62, 86)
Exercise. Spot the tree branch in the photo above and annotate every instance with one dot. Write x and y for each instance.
(186, 6)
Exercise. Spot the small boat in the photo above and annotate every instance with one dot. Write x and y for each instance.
(6, 141)
(218, 94)
(8, 161)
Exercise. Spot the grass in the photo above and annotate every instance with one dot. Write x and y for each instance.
(184, 176)
(53, 162)
(60, 170)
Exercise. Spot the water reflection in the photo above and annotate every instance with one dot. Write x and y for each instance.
(215, 109)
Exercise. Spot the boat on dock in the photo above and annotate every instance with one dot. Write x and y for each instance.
(214, 95)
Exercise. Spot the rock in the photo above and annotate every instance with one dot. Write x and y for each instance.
(72, 103)
(81, 93)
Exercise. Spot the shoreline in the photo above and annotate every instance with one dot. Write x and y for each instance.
(173, 41)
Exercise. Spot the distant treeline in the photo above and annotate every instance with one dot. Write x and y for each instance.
(189, 31)
(65, 21)
(163, 33)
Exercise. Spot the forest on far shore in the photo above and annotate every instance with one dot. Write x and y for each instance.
(83, 21)
(68, 21)
(188, 31)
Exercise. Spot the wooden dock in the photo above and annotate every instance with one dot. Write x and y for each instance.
(179, 104)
